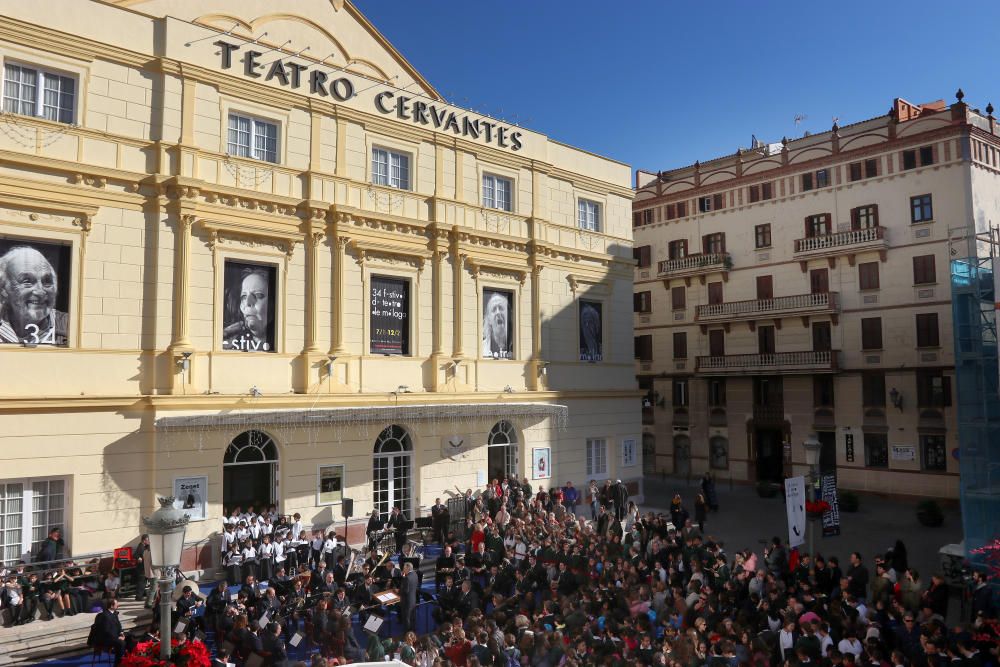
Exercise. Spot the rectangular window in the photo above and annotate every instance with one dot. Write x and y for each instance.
(762, 236)
(718, 202)
(597, 457)
(390, 168)
(927, 330)
(868, 275)
(933, 389)
(589, 215)
(765, 340)
(807, 182)
(821, 335)
(909, 159)
(854, 171)
(873, 389)
(924, 270)
(717, 393)
(714, 293)
(717, 343)
(642, 302)
(766, 191)
(252, 138)
(817, 225)
(714, 243)
(682, 209)
(680, 345)
(822, 391)
(678, 298)
(819, 281)
(765, 287)
(934, 453)
(704, 204)
(871, 168)
(871, 333)
(926, 155)
(644, 347)
(921, 209)
(29, 509)
(389, 316)
(677, 249)
(822, 178)
(876, 450)
(628, 452)
(642, 255)
(33, 92)
(864, 217)
(680, 393)
(497, 192)
(754, 193)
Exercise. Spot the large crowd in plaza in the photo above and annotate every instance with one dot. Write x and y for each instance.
(563, 577)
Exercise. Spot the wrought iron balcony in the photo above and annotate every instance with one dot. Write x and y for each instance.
(842, 243)
(777, 363)
(694, 265)
(798, 304)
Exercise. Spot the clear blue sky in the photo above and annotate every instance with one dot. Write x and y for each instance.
(659, 84)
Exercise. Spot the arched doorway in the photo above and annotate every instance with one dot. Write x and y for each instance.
(648, 454)
(682, 455)
(502, 450)
(249, 471)
(391, 471)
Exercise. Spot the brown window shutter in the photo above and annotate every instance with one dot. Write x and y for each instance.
(765, 287)
(855, 219)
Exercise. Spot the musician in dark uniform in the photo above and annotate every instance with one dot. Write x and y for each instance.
(374, 525)
(398, 524)
(444, 567)
(440, 518)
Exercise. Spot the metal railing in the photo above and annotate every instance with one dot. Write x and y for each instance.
(797, 302)
(777, 361)
(839, 239)
(705, 260)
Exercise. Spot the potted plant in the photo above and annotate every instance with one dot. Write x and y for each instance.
(848, 501)
(929, 513)
(766, 489)
(147, 654)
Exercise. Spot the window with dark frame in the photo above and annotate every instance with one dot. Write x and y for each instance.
(714, 293)
(680, 392)
(680, 345)
(766, 191)
(682, 208)
(644, 347)
(677, 249)
(876, 450)
(873, 389)
(864, 217)
(718, 202)
(854, 171)
(933, 389)
(714, 243)
(926, 155)
(921, 209)
(754, 194)
(927, 330)
(822, 178)
(924, 271)
(671, 211)
(762, 236)
(765, 287)
(871, 168)
(765, 340)
(871, 333)
(823, 391)
(909, 159)
(807, 182)
(868, 275)
(716, 343)
(933, 453)
(822, 337)
(705, 204)
(642, 302)
(717, 393)
(678, 297)
(817, 225)
(642, 255)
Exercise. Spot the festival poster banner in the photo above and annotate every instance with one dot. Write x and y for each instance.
(795, 508)
(249, 293)
(831, 517)
(191, 495)
(591, 331)
(541, 458)
(498, 324)
(390, 315)
(34, 292)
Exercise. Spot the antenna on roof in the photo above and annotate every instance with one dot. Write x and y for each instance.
(799, 117)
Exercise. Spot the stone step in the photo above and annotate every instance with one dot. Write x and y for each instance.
(44, 640)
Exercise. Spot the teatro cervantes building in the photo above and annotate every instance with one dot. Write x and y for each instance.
(248, 254)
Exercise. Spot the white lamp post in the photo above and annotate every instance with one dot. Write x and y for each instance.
(166, 527)
(813, 446)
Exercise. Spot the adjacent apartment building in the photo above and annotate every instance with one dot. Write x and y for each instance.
(804, 287)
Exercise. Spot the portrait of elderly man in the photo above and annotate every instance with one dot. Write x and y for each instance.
(498, 342)
(248, 322)
(590, 331)
(29, 288)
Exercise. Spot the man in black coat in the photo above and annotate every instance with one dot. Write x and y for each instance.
(274, 645)
(408, 598)
(397, 523)
(619, 495)
(106, 632)
(439, 520)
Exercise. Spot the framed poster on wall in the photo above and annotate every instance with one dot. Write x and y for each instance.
(191, 495)
(330, 486)
(541, 463)
(35, 280)
(248, 309)
(390, 315)
(628, 452)
(498, 325)
(591, 331)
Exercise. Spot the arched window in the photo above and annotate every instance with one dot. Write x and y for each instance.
(502, 452)
(251, 447)
(391, 471)
(250, 471)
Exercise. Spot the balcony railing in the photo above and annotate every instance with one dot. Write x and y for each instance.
(691, 265)
(798, 304)
(767, 364)
(841, 241)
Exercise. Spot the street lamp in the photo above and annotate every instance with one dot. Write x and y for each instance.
(166, 528)
(812, 445)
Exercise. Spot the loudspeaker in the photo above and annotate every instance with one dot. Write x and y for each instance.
(347, 508)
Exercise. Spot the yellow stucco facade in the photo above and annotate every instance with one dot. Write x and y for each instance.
(230, 245)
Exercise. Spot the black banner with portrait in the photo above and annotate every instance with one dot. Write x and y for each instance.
(34, 292)
(249, 299)
(498, 324)
(390, 315)
(591, 331)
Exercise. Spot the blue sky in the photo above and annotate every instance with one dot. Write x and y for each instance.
(659, 84)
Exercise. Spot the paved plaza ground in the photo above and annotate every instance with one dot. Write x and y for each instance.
(744, 519)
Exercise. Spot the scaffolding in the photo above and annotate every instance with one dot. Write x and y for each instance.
(977, 377)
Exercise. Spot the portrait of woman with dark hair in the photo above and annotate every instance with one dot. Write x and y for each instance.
(248, 315)
(590, 331)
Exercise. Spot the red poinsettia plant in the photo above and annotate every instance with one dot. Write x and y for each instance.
(188, 654)
(817, 506)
